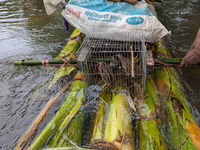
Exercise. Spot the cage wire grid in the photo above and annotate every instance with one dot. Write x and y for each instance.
(115, 60)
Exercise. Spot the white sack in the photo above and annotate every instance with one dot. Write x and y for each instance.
(52, 5)
(114, 19)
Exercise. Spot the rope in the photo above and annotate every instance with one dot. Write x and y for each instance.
(65, 62)
(45, 63)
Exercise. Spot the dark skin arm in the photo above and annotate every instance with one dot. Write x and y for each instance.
(193, 55)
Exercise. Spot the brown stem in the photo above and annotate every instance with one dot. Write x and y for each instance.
(33, 128)
(132, 63)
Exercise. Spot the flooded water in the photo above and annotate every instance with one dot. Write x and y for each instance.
(26, 32)
(182, 19)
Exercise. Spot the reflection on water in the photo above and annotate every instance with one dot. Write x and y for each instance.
(26, 32)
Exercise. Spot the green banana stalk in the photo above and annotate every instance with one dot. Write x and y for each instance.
(71, 99)
(73, 132)
(68, 52)
(72, 136)
(100, 119)
(119, 129)
(175, 133)
(150, 137)
(178, 126)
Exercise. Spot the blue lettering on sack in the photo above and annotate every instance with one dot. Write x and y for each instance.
(135, 20)
(112, 17)
(95, 15)
(103, 18)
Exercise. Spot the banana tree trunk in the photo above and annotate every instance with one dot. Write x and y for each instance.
(119, 127)
(71, 128)
(148, 132)
(178, 125)
(67, 106)
(68, 52)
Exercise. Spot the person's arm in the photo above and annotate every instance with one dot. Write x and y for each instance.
(193, 55)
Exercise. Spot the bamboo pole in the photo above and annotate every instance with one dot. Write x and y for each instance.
(175, 61)
(43, 62)
(69, 62)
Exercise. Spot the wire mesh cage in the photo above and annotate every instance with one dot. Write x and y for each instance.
(120, 62)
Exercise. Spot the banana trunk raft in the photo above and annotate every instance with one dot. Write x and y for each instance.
(112, 118)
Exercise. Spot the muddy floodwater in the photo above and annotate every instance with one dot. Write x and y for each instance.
(26, 32)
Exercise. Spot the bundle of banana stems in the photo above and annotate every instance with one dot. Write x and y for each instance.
(113, 128)
(176, 122)
(163, 119)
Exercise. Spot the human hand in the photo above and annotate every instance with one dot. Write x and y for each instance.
(190, 59)
(193, 55)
